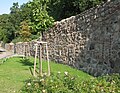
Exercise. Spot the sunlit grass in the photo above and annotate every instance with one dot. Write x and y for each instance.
(14, 71)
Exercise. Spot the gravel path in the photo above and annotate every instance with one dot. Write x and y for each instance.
(4, 53)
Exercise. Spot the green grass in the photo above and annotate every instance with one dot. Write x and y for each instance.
(55, 68)
(12, 75)
(14, 71)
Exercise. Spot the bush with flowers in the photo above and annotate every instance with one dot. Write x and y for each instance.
(70, 84)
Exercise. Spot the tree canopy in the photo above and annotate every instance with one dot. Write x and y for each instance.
(60, 9)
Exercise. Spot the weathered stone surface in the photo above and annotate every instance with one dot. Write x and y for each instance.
(94, 35)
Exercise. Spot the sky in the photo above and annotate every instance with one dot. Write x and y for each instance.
(6, 4)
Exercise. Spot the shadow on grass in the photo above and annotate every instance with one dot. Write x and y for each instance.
(26, 62)
(31, 71)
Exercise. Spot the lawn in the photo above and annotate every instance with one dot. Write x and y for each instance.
(12, 75)
(14, 71)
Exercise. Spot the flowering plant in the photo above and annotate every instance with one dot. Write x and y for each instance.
(70, 84)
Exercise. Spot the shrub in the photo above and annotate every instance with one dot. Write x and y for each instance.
(69, 84)
(103, 84)
(53, 84)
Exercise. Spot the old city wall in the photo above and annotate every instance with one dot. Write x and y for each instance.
(89, 41)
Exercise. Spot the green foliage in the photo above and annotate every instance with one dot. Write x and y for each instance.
(26, 12)
(70, 84)
(60, 9)
(10, 24)
(36, 14)
(52, 84)
(25, 31)
(15, 17)
(17, 39)
(40, 20)
(6, 28)
(101, 85)
(40, 14)
(33, 37)
(113, 78)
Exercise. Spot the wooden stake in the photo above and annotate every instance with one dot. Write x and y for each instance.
(40, 61)
(40, 58)
(48, 60)
(36, 48)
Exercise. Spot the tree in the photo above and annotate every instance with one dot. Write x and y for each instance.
(40, 20)
(25, 12)
(6, 28)
(40, 15)
(25, 31)
(15, 17)
(60, 9)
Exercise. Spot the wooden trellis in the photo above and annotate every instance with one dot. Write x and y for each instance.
(40, 44)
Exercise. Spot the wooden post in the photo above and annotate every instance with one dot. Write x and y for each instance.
(40, 60)
(48, 60)
(36, 48)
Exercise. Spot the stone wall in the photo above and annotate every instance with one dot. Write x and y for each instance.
(25, 48)
(89, 41)
(21, 48)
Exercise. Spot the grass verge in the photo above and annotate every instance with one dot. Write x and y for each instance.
(14, 71)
